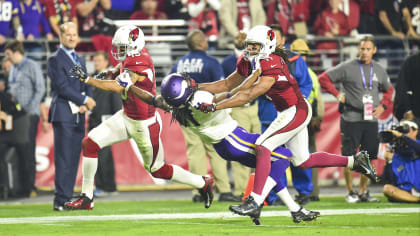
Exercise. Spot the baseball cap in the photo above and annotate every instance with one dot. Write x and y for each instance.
(300, 46)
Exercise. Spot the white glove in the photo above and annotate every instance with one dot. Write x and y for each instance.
(124, 80)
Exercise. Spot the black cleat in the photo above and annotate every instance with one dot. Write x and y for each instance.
(206, 192)
(304, 215)
(248, 208)
(362, 165)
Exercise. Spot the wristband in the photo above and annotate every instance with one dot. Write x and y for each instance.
(228, 95)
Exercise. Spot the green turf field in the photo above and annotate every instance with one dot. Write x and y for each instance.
(187, 218)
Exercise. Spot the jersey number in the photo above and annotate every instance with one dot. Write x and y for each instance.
(6, 11)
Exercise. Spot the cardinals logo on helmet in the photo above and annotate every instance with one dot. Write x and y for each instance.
(270, 35)
(134, 34)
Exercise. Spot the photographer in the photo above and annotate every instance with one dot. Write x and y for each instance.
(405, 164)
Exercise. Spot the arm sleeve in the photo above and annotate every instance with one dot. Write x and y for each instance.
(327, 85)
(387, 97)
(303, 78)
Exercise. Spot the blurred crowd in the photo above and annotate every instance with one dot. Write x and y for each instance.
(31, 19)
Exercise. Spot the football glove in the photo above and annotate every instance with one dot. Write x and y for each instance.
(79, 73)
(124, 80)
(101, 75)
(206, 108)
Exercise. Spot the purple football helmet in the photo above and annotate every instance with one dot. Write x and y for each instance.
(176, 90)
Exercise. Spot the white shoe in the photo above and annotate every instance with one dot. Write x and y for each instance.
(352, 197)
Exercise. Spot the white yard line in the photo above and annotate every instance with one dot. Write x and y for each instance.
(57, 219)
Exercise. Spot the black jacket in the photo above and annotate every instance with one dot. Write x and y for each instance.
(407, 94)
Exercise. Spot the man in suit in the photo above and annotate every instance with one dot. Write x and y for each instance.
(70, 101)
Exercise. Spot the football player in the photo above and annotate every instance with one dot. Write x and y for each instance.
(293, 112)
(231, 142)
(138, 119)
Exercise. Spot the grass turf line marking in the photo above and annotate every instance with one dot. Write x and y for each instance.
(303, 224)
(55, 219)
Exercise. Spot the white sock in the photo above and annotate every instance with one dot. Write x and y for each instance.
(89, 167)
(350, 162)
(288, 200)
(185, 177)
(269, 184)
(259, 199)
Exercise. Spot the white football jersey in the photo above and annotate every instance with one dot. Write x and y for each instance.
(214, 126)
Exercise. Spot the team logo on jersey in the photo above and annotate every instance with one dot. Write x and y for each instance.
(134, 34)
(270, 35)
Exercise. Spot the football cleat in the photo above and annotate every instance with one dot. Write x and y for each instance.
(248, 208)
(206, 192)
(82, 203)
(362, 165)
(304, 215)
(352, 197)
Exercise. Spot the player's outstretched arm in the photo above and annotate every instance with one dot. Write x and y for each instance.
(107, 85)
(109, 74)
(156, 101)
(225, 85)
(246, 84)
(247, 95)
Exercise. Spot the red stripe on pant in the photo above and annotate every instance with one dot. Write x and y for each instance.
(300, 116)
(154, 131)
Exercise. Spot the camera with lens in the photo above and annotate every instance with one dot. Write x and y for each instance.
(389, 137)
